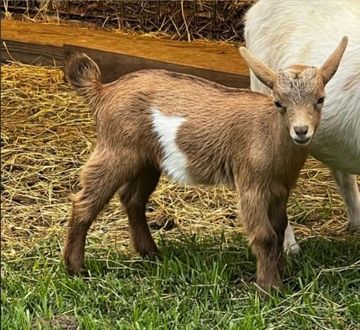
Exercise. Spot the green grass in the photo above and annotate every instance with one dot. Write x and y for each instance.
(198, 284)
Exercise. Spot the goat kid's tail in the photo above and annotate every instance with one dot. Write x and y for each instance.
(84, 75)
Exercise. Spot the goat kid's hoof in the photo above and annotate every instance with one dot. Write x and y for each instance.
(152, 255)
(83, 272)
(268, 292)
(77, 271)
(266, 287)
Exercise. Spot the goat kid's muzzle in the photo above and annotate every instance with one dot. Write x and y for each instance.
(301, 135)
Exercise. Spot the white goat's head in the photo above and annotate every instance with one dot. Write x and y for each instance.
(298, 91)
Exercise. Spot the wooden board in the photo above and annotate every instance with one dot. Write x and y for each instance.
(31, 53)
(118, 54)
(114, 65)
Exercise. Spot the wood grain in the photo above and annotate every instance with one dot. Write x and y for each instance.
(117, 53)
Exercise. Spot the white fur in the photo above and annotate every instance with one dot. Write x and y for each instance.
(282, 33)
(290, 245)
(350, 192)
(174, 163)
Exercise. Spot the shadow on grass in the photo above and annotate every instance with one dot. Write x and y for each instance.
(194, 258)
(187, 257)
(198, 260)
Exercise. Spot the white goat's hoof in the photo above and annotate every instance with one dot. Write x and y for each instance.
(290, 245)
(293, 248)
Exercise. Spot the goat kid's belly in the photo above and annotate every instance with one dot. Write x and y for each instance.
(177, 167)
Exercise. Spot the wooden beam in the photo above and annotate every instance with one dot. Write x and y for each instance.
(118, 53)
(114, 65)
(31, 53)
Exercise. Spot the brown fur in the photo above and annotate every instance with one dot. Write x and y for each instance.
(229, 136)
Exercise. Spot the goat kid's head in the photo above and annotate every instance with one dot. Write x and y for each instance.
(298, 91)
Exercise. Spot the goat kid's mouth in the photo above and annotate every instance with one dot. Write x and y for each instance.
(302, 141)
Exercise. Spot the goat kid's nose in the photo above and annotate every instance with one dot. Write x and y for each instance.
(301, 131)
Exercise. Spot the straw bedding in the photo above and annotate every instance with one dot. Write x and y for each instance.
(180, 20)
(47, 135)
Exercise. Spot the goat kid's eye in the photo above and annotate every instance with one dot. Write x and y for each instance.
(279, 107)
(320, 100)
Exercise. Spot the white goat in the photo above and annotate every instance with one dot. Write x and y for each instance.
(283, 32)
(198, 132)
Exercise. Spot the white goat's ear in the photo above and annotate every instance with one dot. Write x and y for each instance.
(261, 71)
(330, 66)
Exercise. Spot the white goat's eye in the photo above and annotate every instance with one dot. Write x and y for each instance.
(321, 100)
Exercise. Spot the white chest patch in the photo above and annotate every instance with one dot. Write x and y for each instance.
(175, 162)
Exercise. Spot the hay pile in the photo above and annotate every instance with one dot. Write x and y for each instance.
(180, 20)
(48, 133)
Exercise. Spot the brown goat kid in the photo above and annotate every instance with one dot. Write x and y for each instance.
(197, 132)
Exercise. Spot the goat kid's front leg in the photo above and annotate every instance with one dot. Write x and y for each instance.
(262, 237)
(279, 221)
(349, 190)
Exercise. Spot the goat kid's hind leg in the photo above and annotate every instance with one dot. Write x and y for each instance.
(349, 190)
(262, 237)
(99, 179)
(134, 196)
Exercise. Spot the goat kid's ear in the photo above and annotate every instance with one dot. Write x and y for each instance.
(330, 66)
(261, 71)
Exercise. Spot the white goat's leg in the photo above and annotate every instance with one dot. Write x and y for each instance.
(349, 190)
(290, 244)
